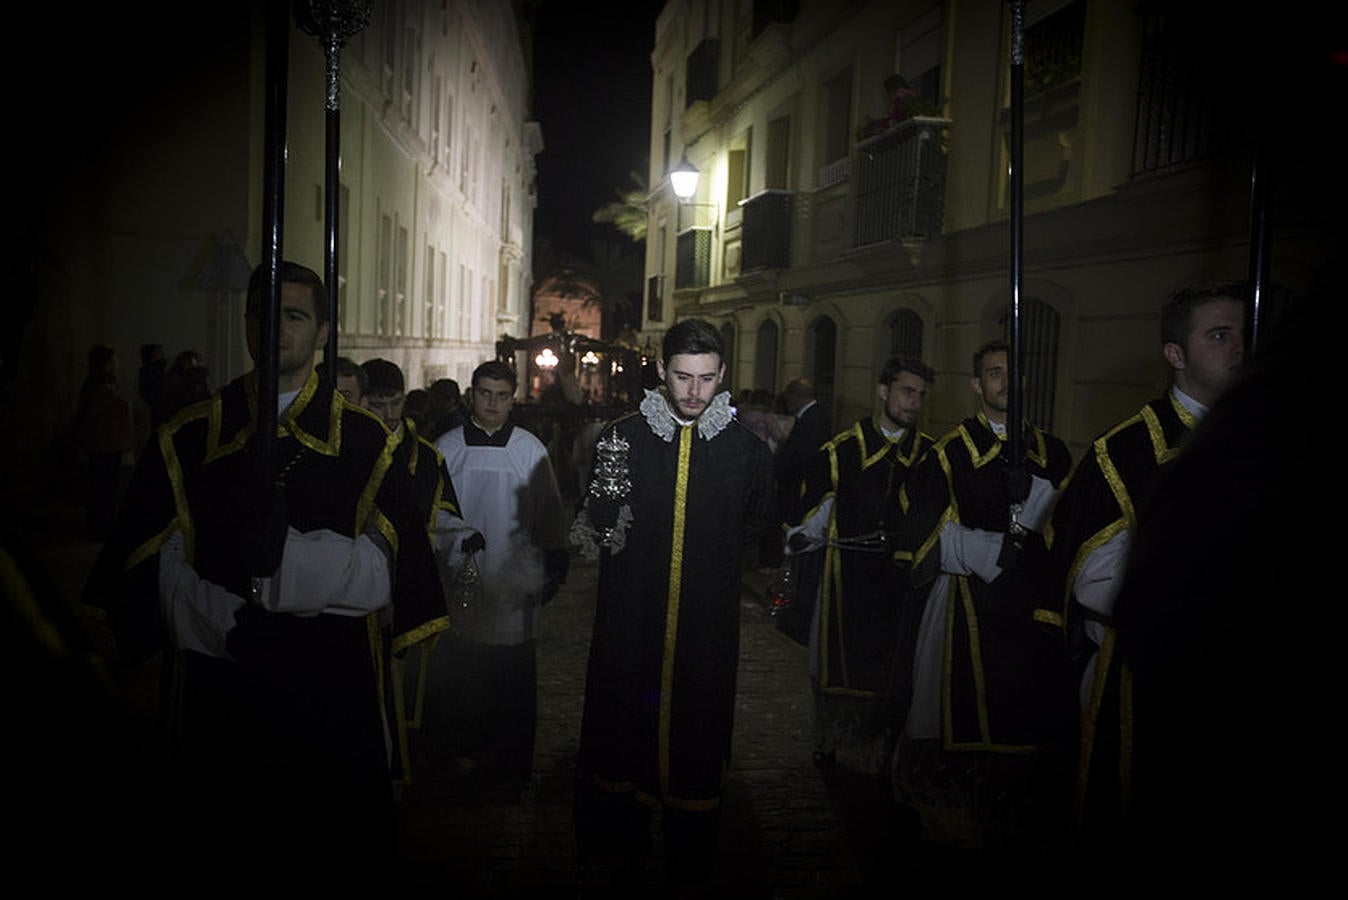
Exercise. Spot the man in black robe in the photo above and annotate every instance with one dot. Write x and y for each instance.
(268, 583)
(981, 752)
(679, 489)
(1202, 340)
(850, 513)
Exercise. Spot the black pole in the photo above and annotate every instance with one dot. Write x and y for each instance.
(1261, 228)
(331, 196)
(1018, 483)
(332, 22)
(273, 209)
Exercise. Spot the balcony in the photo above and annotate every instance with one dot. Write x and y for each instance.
(766, 230)
(692, 258)
(900, 191)
(701, 72)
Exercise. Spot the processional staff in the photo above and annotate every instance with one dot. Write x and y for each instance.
(1261, 226)
(333, 22)
(273, 218)
(1018, 478)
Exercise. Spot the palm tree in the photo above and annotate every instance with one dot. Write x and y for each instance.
(628, 212)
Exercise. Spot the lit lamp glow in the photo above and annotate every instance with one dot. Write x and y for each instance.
(546, 359)
(683, 178)
(589, 359)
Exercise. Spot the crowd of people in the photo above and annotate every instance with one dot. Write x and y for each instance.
(351, 604)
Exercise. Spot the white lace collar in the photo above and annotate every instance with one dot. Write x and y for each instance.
(662, 420)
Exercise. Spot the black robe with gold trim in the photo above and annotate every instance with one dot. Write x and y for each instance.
(862, 471)
(310, 714)
(1101, 500)
(660, 686)
(1004, 687)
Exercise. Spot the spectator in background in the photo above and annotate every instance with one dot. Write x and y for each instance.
(105, 429)
(444, 408)
(149, 387)
(810, 428)
(186, 382)
(416, 406)
(351, 382)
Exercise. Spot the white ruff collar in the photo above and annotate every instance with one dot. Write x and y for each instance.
(660, 417)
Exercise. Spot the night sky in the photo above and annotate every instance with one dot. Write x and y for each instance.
(592, 95)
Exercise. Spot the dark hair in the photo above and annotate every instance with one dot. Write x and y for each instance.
(148, 352)
(445, 390)
(495, 369)
(691, 336)
(100, 357)
(347, 368)
(384, 377)
(186, 359)
(897, 364)
(998, 346)
(1177, 315)
(416, 404)
(291, 273)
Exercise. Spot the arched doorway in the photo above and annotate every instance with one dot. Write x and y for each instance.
(765, 357)
(728, 357)
(821, 348)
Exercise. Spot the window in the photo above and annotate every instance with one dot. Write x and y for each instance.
(838, 116)
(437, 84)
(461, 323)
(1053, 47)
(777, 173)
(728, 358)
(384, 278)
(737, 171)
(905, 334)
(920, 55)
(442, 297)
(655, 308)
(428, 324)
(409, 74)
(400, 298)
(1039, 328)
(821, 348)
(765, 357)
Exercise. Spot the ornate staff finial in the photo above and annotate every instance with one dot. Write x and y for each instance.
(333, 22)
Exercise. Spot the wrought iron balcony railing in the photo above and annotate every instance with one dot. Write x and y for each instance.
(900, 174)
(766, 230)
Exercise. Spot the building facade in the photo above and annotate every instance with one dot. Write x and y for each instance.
(821, 242)
(141, 224)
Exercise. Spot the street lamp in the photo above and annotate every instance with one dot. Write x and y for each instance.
(683, 179)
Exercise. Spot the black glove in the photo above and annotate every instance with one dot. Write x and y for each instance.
(556, 565)
(257, 635)
(473, 543)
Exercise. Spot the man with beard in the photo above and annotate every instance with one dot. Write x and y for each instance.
(980, 753)
(1202, 340)
(679, 490)
(851, 512)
